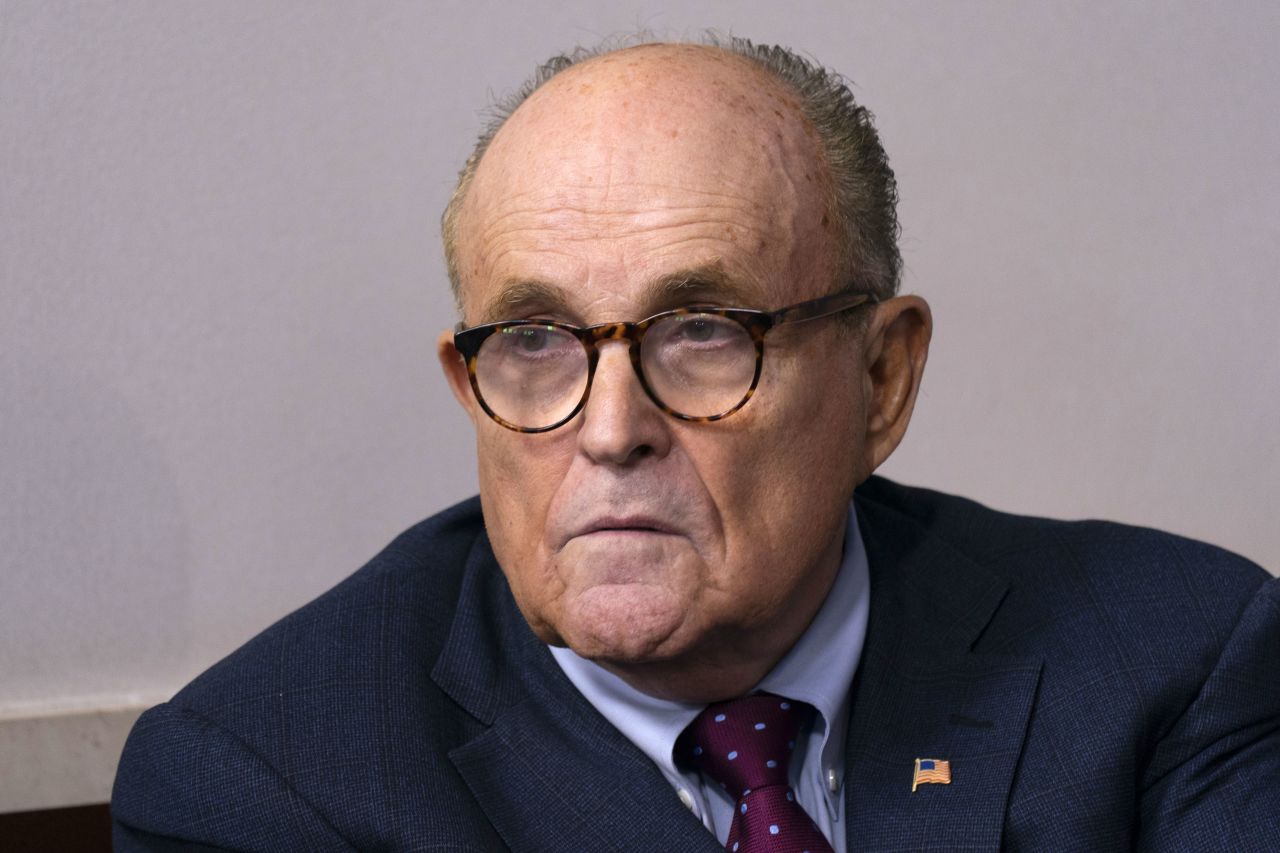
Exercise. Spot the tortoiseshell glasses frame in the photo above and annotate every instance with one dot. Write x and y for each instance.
(469, 341)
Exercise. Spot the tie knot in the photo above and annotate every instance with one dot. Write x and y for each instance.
(745, 743)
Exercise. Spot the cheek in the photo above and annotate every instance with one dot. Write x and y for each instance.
(782, 479)
(519, 475)
(519, 471)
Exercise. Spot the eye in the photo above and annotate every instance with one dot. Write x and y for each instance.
(529, 339)
(698, 329)
(533, 343)
(704, 329)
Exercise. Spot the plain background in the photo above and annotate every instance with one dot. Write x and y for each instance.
(220, 284)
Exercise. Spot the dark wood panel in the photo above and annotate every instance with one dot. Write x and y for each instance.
(84, 829)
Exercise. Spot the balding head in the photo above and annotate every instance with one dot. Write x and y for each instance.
(855, 183)
(640, 133)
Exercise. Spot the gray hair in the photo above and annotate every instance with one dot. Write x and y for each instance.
(863, 192)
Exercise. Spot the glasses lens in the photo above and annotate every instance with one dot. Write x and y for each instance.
(700, 365)
(531, 375)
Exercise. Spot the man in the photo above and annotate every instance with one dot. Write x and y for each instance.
(670, 623)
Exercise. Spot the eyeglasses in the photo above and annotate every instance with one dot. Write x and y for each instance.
(696, 364)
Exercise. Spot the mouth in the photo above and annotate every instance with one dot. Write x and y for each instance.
(627, 524)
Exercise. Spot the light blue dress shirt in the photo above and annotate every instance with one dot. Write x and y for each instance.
(819, 670)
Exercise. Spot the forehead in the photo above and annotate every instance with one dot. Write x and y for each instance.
(639, 167)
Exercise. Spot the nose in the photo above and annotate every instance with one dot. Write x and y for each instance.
(620, 424)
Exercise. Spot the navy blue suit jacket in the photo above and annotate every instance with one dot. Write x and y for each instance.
(1094, 686)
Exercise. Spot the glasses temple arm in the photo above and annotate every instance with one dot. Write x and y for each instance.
(823, 306)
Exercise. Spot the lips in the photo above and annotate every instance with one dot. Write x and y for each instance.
(639, 507)
(624, 524)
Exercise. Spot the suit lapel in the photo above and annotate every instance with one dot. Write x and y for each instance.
(547, 769)
(921, 692)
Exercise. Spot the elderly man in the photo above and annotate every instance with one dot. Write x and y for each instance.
(670, 622)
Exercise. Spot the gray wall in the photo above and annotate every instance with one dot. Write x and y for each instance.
(220, 285)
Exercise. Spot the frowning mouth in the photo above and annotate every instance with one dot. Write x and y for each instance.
(627, 524)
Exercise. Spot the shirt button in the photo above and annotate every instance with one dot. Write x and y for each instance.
(687, 799)
(833, 781)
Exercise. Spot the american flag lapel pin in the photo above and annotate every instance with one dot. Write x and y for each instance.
(931, 771)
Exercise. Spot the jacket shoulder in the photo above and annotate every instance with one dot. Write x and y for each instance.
(409, 588)
(179, 768)
(1077, 582)
(330, 716)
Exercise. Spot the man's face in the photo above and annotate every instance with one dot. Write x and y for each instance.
(632, 537)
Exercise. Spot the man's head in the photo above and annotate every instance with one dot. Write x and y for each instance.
(685, 556)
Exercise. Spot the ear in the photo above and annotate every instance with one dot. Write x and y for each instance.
(896, 349)
(455, 371)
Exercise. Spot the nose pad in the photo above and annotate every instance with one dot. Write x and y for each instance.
(620, 424)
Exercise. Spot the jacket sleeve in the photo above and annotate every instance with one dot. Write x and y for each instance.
(184, 783)
(1214, 780)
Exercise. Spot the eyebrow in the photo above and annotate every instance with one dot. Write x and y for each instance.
(709, 283)
(706, 283)
(517, 296)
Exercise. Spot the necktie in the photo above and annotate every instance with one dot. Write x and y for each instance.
(746, 745)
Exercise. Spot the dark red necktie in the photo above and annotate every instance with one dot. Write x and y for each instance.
(746, 745)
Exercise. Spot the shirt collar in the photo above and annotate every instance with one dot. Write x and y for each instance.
(818, 669)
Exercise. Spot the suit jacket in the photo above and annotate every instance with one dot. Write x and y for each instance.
(1094, 686)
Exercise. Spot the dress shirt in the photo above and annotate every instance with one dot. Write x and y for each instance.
(818, 670)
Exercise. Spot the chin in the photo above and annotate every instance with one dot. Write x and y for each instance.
(624, 624)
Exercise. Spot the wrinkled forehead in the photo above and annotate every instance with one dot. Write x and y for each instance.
(637, 136)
